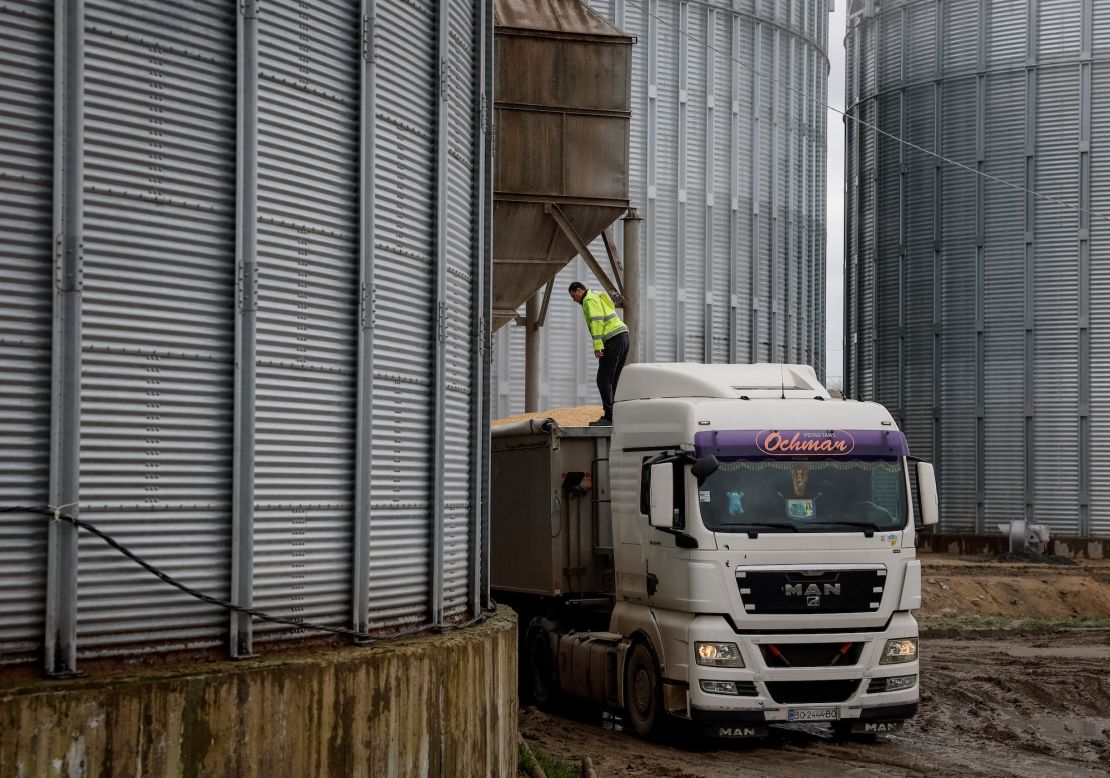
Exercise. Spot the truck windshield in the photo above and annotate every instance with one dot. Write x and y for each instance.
(802, 495)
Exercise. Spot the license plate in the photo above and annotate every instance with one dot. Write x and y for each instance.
(812, 714)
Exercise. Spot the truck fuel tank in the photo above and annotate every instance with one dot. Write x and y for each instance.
(588, 666)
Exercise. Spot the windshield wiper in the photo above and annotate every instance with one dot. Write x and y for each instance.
(869, 529)
(765, 525)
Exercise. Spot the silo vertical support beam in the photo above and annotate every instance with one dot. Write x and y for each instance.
(439, 367)
(980, 284)
(648, 341)
(877, 216)
(65, 415)
(734, 181)
(532, 354)
(683, 179)
(773, 344)
(1085, 269)
(246, 309)
(1030, 183)
(788, 218)
(903, 253)
(903, 240)
(360, 599)
(633, 313)
(853, 310)
(757, 160)
(938, 238)
(710, 165)
(980, 259)
(479, 491)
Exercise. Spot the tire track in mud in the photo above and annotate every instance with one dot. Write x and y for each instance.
(1004, 705)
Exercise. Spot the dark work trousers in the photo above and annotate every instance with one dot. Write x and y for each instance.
(609, 370)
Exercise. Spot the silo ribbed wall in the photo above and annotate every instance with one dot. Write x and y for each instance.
(727, 168)
(276, 216)
(979, 313)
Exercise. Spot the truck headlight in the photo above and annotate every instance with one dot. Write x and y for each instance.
(718, 655)
(899, 650)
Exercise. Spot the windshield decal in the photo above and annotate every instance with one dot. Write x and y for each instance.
(801, 443)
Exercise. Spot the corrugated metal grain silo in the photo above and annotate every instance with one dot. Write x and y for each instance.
(727, 167)
(978, 312)
(246, 280)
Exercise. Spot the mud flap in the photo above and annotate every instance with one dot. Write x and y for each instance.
(676, 699)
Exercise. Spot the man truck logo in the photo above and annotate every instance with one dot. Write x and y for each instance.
(739, 731)
(881, 726)
(810, 590)
(822, 443)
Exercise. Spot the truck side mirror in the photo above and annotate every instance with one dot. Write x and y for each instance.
(927, 494)
(704, 467)
(661, 497)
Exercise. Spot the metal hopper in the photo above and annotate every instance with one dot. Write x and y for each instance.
(563, 106)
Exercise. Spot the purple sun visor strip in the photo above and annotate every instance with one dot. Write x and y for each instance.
(854, 444)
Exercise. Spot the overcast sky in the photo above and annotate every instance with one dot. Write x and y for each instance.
(834, 282)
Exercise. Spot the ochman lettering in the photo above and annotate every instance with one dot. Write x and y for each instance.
(777, 443)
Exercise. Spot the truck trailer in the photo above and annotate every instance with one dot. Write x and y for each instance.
(736, 551)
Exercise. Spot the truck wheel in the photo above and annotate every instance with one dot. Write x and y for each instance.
(643, 691)
(541, 668)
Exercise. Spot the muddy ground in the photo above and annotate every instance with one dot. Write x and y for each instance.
(995, 702)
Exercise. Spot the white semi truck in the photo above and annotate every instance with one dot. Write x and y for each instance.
(737, 551)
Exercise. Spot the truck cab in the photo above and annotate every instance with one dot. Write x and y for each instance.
(762, 553)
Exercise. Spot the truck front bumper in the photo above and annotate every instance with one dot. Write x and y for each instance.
(771, 693)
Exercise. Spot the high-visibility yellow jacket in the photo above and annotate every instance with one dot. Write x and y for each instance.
(601, 318)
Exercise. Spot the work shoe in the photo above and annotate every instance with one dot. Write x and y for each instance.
(604, 421)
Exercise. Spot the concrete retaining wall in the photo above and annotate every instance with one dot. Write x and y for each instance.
(434, 705)
(987, 545)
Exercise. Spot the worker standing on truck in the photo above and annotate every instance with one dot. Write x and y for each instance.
(610, 342)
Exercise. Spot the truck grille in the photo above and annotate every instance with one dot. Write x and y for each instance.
(810, 654)
(746, 689)
(821, 591)
(794, 692)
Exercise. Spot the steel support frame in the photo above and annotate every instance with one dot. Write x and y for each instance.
(583, 250)
(437, 514)
(633, 301)
(532, 353)
(364, 407)
(60, 639)
(246, 310)
(615, 265)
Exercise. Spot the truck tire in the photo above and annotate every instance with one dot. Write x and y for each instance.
(643, 691)
(540, 668)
